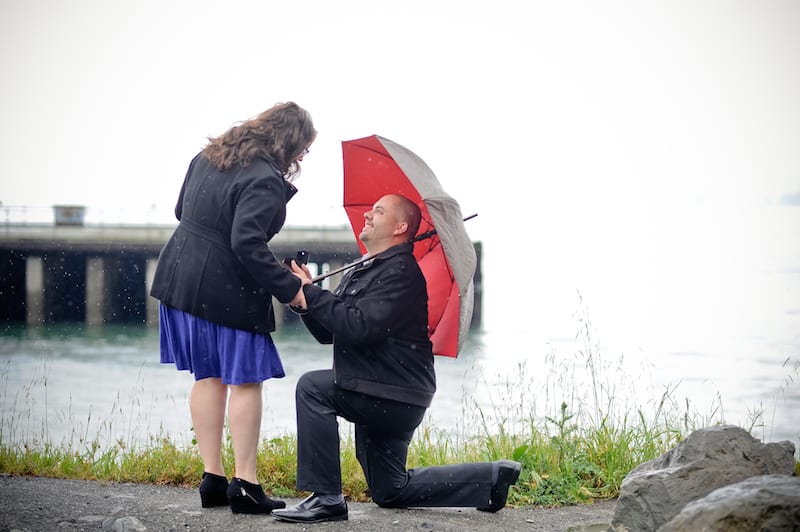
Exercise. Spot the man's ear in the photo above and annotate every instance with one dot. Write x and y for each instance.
(402, 227)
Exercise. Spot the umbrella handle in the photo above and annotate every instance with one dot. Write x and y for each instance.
(365, 258)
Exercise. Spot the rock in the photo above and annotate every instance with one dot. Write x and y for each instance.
(656, 491)
(769, 503)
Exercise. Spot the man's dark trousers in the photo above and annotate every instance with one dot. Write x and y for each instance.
(383, 431)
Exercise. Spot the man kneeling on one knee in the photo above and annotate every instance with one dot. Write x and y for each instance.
(382, 381)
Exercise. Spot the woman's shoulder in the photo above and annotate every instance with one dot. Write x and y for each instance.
(258, 172)
(266, 165)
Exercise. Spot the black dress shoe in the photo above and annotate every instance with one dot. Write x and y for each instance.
(506, 477)
(213, 490)
(248, 498)
(311, 510)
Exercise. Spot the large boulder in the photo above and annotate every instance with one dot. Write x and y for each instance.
(656, 491)
(770, 503)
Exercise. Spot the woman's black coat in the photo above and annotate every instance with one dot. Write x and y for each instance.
(218, 265)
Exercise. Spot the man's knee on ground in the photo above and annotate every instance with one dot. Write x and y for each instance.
(388, 497)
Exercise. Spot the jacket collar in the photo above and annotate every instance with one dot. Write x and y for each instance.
(399, 249)
(290, 190)
(396, 250)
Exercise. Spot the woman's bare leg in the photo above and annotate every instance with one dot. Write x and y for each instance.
(244, 417)
(207, 405)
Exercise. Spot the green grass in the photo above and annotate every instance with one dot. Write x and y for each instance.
(574, 465)
(575, 434)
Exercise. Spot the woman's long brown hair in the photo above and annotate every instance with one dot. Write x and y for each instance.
(279, 134)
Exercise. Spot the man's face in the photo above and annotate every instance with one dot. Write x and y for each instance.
(380, 223)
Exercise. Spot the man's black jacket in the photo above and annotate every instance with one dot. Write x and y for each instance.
(377, 320)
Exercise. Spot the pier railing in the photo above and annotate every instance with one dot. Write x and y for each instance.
(27, 215)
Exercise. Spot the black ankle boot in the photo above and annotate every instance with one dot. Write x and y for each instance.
(248, 498)
(213, 490)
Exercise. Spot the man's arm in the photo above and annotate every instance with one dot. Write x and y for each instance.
(320, 333)
(366, 314)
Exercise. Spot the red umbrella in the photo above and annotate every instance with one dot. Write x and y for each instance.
(375, 166)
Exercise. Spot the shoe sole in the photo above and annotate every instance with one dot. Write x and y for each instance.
(517, 467)
(322, 520)
(253, 510)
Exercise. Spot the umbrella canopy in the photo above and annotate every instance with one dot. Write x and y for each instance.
(375, 166)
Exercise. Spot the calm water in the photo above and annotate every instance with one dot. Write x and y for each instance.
(72, 383)
(105, 384)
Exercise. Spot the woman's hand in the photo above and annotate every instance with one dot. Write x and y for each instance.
(301, 272)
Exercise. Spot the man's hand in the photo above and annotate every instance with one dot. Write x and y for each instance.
(301, 271)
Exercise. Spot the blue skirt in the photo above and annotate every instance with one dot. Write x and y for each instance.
(210, 350)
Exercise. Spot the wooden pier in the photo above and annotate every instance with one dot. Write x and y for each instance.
(101, 274)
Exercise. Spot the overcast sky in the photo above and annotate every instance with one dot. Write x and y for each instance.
(628, 136)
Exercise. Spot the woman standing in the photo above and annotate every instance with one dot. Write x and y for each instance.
(216, 278)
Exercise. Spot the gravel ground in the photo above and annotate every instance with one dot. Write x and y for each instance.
(37, 503)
